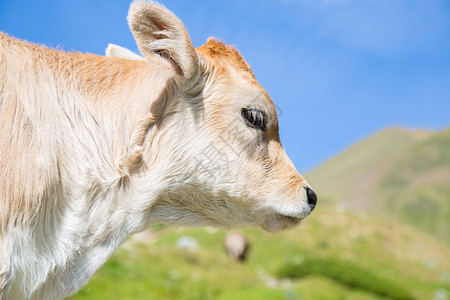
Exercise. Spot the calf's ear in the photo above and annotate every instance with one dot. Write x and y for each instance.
(160, 34)
(121, 52)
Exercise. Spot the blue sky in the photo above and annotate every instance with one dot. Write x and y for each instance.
(339, 70)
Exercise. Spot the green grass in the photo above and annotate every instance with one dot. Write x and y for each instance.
(346, 273)
(349, 256)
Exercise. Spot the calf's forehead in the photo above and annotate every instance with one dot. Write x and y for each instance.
(222, 54)
(229, 65)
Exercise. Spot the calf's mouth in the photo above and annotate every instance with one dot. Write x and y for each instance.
(279, 222)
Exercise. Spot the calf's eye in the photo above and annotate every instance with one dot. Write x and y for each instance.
(254, 118)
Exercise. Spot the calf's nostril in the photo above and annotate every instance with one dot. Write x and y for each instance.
(312, 197)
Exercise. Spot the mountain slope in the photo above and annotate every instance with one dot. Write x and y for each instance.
(404, 174)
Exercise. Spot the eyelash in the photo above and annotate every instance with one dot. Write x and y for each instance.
(254, 118)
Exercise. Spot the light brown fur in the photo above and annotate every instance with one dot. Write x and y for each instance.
(97, 81)
(93, 149)
(225, 55)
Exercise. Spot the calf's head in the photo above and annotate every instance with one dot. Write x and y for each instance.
(216, 140)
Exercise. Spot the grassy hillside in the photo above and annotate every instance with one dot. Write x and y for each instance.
(404, 174)
(333, 255)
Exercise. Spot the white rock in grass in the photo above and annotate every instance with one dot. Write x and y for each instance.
(187, 242)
